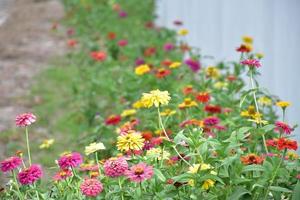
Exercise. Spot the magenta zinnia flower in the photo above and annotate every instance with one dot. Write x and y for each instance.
(25, 119)
(30, 175)
(139, 172)
(115, 167)
(211, 121)
(283, 127)
(91, 187)
(10, 164)
(194, 65)
(251, 63)
(70, 160)
(168, 47)
(122, 14)
(122, 43)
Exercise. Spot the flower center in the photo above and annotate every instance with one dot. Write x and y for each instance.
(138, 171)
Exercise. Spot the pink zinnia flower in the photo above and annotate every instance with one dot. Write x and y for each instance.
(139, 172)
(30, 175)
(122, 43)
(194, 65)
(168, 47)
(70, 160)
(251, 63)
(283, 127)
(91, 187)
(211, 121)
(115, 167)
(10, 164)
(25, 119)
(62, 175)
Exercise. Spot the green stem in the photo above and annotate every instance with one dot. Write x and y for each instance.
(97, 160)
(275, 173)
(120, 185)
(17, 185)
(165, 133)
(28, 146)
(257, 108)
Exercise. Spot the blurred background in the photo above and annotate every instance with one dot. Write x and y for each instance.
(216, 27)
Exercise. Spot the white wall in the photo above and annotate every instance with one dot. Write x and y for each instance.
(216, 26)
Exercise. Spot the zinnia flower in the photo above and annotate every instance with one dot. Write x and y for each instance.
(98, 55)
(211, 121)
(208, 184)
(194, 65)
(70, 160)
(283, 104)
(130, 141)
(283, 127)
(251, 63)
(139, 172)
(113, 120)
(62, 175)
(142, 69)
(91, 187)
(25, 119)
(203, 97)
(93, 147)
(10, 164)
(161, 73)
(244, 48)
(47, 143)
(213, 109)
(30, 175)
(155, 97)
(187, 103)
(247, 39)
(122, 14)
(283, 143)
(174, 65)
(122, 43)
(115, 167)
(251, 159)
(168, 47)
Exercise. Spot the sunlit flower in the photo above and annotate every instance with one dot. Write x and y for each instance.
(25, 119)
(156, 98)
(251, 159)
(283, 127)
(251, 63)
(168, 112)
(183, 32)
(187, 103)
(203, 97)
(93, 147)
(130, 141)
(247, 39)
(139, 172)
(174, 65)
(128, 112)
(115, 167)
(30, 175)
(158, 154)
(265, 101)
(10, 164)
(47, 143)
(283, 104)
(212, 72)
(91, 187)
(142, 69)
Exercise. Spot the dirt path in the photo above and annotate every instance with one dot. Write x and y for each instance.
(26, 44)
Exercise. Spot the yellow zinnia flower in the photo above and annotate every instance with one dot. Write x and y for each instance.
(212, 72)
(128, 112)
(247, 39)
(93, 147)
(283, 104)
(208, 184)
(47, 143)
(183, 32)
(265, 101)
(142, 69)
(168, 112)
(155, 97)
(130, 141)
(175, 65)
(188, 103)
(138, 104)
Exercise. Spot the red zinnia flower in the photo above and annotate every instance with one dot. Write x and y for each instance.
(113, 120)
(243, 49)
(203, 97)
(161, 73)
(283, 127)
(283, 143)
(98, 55)
(147, 135)
(251, 159)
(213, 109)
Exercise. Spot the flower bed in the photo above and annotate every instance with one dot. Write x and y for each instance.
(169, 126)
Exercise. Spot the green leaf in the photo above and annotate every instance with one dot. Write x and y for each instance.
(268, 128)
(279, 189)
(159, 175)
(296, 192)
(253, 168)
(238, 193)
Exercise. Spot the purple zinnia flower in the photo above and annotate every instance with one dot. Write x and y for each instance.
(194, 65)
